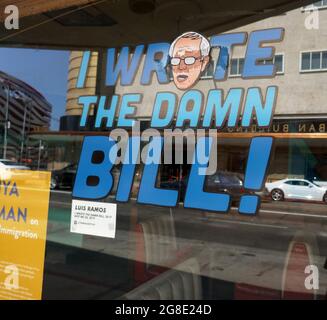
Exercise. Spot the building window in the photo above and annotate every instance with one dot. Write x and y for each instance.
(236, 67)
(278, 61)
(313, 61)
(209, 71)
(238, 64)
(316, 5)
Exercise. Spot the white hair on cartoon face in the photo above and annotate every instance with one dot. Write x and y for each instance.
(204, 45)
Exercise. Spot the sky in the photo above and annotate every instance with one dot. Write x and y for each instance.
(44, 70)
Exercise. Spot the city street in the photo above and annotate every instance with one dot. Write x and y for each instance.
(230, 247)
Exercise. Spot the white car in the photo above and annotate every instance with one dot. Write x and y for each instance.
(6, 167)
(320, 183)
(296, 189)
(9, 164)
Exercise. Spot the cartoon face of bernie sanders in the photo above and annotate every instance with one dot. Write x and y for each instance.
(189, 56)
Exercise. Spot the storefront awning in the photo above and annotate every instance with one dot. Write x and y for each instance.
(110, 23)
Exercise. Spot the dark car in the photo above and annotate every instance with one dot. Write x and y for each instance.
(176, 184)
(219, 182)
(225, 181)
(63, 178)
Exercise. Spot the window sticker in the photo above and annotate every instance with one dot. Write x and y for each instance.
(94, 218)
(184, 61)
(24, 204)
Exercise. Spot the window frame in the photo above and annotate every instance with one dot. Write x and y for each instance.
(238, 75)
(283, 62)
(238, 58)
(312, 70)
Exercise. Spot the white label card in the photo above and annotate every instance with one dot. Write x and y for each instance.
(93, 218)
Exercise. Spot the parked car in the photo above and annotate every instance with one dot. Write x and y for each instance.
(225, 181)
(221, 181)
(7, 167)
(299, 189)
(319, 182)
(9, 164)
(176, 184)
(65, 177)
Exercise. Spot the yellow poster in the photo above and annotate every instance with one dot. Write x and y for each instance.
(24, 204)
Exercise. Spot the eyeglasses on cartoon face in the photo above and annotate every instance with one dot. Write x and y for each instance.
(188, 60)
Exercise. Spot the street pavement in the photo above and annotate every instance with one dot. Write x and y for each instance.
(231, 248)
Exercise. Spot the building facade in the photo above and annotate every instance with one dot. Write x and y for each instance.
(301, 75)
(23, 110)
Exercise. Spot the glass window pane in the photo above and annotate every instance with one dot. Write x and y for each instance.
(279, 63)
(315, 62)
(305, 61)
(233, 70)
(324, 59)
(163, 252)
(241, 65)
